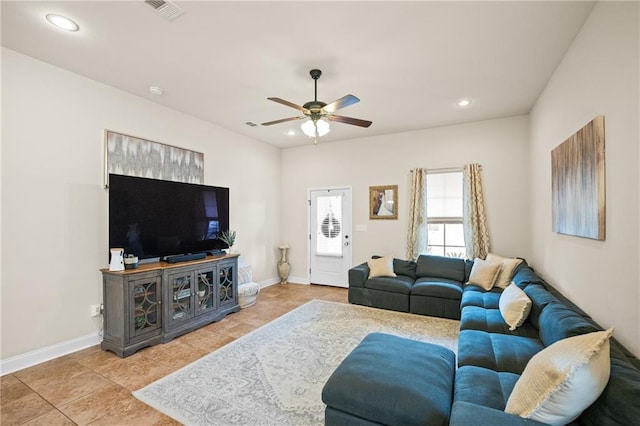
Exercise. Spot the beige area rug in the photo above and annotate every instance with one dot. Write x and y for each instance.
(275, 374)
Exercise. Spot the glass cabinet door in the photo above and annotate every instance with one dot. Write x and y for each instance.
(145, 294)
(206, 296)
(226, 294)
(181, 293)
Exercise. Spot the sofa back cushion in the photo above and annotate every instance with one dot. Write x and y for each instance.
(468, 266)
(441, 267)
(404, 267)
(540, 298)
(558, 322)
(525, 275)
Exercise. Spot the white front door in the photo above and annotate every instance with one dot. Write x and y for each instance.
(330, 236)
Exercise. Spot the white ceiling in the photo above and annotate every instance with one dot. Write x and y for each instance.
(409, 63)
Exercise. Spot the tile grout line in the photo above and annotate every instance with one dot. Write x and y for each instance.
(45, 400)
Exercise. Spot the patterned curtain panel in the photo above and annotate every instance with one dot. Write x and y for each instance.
(474, 218)
(417, 234)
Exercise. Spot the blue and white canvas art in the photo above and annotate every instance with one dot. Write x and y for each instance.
(131, 156)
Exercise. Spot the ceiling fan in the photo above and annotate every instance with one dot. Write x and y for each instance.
(319, 112)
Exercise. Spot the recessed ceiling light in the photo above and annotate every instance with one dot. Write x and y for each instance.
(291, 133)
(62, 22)
(464, 102)
(156, 90)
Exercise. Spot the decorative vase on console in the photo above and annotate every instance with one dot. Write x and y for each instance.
(283, 266)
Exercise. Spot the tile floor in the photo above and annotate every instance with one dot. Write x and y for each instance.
(94, 387)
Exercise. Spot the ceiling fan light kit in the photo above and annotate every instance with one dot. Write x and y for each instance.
(319, 113)
(315, 129)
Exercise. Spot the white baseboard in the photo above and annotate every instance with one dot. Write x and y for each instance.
(291, 280)
(48, 353)
(299, 280)
(268, 282)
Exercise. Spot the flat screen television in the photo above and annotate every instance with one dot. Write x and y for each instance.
(153, 218)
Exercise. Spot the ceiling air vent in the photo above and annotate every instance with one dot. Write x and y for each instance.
(166, 9)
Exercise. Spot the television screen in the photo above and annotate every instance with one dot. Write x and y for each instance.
(153, 218)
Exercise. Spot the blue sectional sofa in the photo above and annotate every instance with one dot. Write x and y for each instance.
(491, 358)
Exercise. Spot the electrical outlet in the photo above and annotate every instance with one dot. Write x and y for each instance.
(95, 310)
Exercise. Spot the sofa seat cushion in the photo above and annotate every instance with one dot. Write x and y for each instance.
(498, 352)
(390, 380)
(484, 387)
(477, 296)
(437, 287)
(441, 267)
(400, 284)
(467, 413)
(490, 320)
(557, 322)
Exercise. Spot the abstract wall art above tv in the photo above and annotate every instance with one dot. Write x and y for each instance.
(132, 156)
(578, 183)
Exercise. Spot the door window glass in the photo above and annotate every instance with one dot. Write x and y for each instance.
(329, 225)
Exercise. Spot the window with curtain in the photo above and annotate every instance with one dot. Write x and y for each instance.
(445, 233)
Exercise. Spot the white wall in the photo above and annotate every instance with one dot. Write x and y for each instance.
(499, 145)
(598, 75)
(54, 207)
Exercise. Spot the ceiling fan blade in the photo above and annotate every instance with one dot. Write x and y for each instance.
(344, 101)
(282, 120)
(349, 120)
(289, 104)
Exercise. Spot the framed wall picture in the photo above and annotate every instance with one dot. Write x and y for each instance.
(383, 202)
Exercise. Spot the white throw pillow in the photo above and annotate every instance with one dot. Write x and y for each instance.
(381, 267)
(514, 306)
(484, 273)
(563, 379)
(509, 265)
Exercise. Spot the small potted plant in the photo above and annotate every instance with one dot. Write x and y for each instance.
(229, 238)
